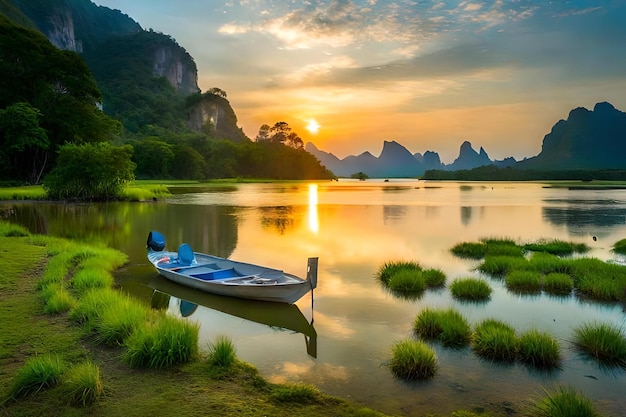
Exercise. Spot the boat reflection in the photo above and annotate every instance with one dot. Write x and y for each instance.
(276, 315)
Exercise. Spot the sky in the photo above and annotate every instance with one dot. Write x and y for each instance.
(348, 75)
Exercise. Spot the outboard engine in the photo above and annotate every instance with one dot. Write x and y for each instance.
(156, 241)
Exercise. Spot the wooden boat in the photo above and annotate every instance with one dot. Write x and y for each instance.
(279, 316)
(222, 276)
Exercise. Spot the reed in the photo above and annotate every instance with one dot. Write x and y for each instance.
(162, 343)
(447, 326)
(413, 360)
(82, 385)
(470, 250)
(495, 340)
(620, 247)
(558, 283)
(434, 277)
(389, 269)
(470, 289)
(39, 372)
(411, 281)
(523, 281)
(602, 341)
(538, 349)
(564, 402)
(557, 247)
(222, 352)
(296, 393)
(501, 265)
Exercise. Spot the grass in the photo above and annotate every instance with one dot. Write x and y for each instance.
(82, 385)
(620, 247)
(408, 277)
(501, 265)
(29, 192)
(563, 402)
(470, 250)
(558, 283)
(470, 289)
(296, 393)
(539, 350)
(434, 277)
(557, 247)
(413, 360)
(528, 282)
(447, 326)
(598, 279)
(222, 352)
(603, 342)
(57, 299)
(495, 340)
(408, 280)
(89, 278)
(39, 372)
(389, 269)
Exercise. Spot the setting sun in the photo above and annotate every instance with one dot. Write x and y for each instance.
(313, 126)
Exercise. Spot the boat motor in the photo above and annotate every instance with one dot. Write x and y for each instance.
(156, 241)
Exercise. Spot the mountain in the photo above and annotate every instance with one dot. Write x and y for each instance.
(395, 161)
(145, 77)
(586, 140)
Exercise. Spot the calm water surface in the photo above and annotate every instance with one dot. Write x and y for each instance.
(355, 227)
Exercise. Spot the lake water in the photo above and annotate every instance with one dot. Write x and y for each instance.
(354, 228)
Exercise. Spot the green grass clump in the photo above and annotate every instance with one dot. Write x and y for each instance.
(470, 289)
(565, 402)
(413, 360)
(30, 192)
(82, 385)
(620, 247)
(470, 250)
(523, 281)
(57, 299)
(504, 248)
(90, 278)
(557, 283)
(495, 340)
(162, 343)
(434, 277)
(38, 373)
(447, 326)
(389, 269)
(116, 322)
(547, 263)
(296, 393)
(557, 247)
(501, 265)
(603, 342)
(12, 230)
(91, 305)
(538, 349)
(407, 281)
(222, 352)
(599, 280)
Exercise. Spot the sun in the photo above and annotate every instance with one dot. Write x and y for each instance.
(313, 126)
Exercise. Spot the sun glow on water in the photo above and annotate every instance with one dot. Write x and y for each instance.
(314, 224)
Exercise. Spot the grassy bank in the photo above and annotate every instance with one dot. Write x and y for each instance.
(197, 387)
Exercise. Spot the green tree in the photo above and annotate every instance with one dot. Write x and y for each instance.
(23, 143)
(154, 158)
(90, 171)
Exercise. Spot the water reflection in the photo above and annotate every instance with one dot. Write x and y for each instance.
(278, 316)
(314, 224)
(279, 219)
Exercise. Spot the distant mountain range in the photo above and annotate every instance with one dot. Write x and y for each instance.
(586, 140)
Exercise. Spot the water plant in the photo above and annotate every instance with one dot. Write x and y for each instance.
(598, 279)
(389, 269)
(602, 341)
(620, 247)
(434, 277)
(563, 402)
(162, 342)
(523, 281)
(82, 384)
(557, 247)
(471, 289)
(500, 265)
(470, 250)
(557, 283)
(547, 263)
(413, 360)
(448, 326)
(407, 280)
(222, 352)
(538, 349)
(39, 372)
(495, 340)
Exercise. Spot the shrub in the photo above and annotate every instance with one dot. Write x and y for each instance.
(495, 340)
(558, 283)
(388, 269)
(523, 281)
(472, 289)
(413, 360)
(539, 350)
(162, 343)
(38, 372)
(82, 384)
(447, 326)
(602, 341)
(222, 352)
(565, 402)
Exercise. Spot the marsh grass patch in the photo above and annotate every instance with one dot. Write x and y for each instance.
(562, 402)
(495, 340)
(470, 289)
(447, 326)
(413, 360)
(603, 342)
(39, 372)
(389, 269)
(222, 352)
(557, 283)
(538, 349)
(620, 247)
(557, 247)
(527, 282)
(82, 385)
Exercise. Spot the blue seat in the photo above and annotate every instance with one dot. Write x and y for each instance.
(185, 255)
